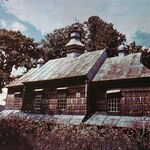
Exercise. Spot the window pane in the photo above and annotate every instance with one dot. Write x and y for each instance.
(62, 99)
(113, 105)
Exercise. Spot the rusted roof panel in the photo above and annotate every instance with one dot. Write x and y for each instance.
(66, 67)
(117, 68)
(22, 79)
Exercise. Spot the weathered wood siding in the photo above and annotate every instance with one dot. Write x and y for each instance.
(134, 102)
(28, 97)
(46, 101)
(14, 101)
(37, 101)
(100, 101)
(10, 102)
(50, 100)
(75, 101)
(18, 101)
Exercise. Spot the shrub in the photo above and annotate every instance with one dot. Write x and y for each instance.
(22, 134)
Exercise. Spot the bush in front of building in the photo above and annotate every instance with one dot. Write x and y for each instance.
(20, 134)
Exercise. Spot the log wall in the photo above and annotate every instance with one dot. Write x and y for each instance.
(10, 102)
(28, 97)
(14, 101)
(18, 101)
(37, 101)
(134, 102)
(75, 101)
(46, 101)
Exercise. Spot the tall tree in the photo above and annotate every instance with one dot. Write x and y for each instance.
(134, 48)
(145, 57)
(103, 35)
(16, 49)
(96, 35)
(54, 43)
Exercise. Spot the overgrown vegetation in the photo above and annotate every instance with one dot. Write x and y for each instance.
(20, 134)
(16, 49)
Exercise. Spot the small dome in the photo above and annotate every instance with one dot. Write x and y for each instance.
(121, 47)
(75, 34)
(40, 61)
(74, 47)
(74, 42)
(75, 39)
(123, 50)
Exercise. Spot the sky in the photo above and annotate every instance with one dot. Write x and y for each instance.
(36, 18)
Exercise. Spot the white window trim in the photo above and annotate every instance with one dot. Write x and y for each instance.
(113, 91)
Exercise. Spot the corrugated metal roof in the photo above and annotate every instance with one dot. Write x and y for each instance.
(96, 119)
(118, 121)
(65, 67)
(22, 79)
(61, 68)
(117, 68)
(66, 119)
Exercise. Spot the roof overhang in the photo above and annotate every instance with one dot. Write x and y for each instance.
(15, 88)
(121, 83)
(11, 86)
(62, 82)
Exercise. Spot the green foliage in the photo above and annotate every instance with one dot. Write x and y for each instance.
(103, 35)
(145, 58)
(15, 49)
(96, 35)
(41, 135)
(134, 48)
(54, 43)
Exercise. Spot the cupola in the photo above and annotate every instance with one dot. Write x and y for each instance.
(123, 50)
(40, 62)
(74, 47)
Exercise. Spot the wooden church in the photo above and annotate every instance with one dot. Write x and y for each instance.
(83, 84)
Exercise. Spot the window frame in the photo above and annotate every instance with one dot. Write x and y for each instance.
(113, 101)
(114, 105)
(61, 99)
